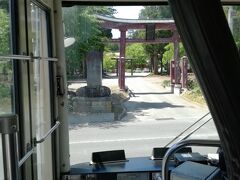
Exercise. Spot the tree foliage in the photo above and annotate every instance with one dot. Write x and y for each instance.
(81, 24)
(109, 63)
(4, 32)
(236, 25)
(5, 67)
(168, 55)
(155, 12)
(137, 53)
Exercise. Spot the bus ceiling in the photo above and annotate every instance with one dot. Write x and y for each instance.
(66, 3)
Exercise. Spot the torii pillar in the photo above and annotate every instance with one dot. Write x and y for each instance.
(121, 63)
(177, 69)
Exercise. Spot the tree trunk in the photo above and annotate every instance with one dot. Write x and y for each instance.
(155, 60)
(161, 63)
(84, 69)
(151, 63)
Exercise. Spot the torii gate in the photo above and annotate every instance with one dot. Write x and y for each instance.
(150, 26)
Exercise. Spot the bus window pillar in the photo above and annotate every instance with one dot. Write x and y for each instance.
(62, 137)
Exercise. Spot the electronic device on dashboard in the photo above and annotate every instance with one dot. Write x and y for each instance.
(159, 152)
(108, 157)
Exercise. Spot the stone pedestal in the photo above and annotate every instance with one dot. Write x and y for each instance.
(172, 88)
(93, 109)
(92, 105)
(97, 91)
(177, 89)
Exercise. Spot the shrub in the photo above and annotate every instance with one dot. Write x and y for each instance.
(166, 83)
(4, 91)
(194, 92)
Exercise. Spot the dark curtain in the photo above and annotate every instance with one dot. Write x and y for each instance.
(214, 58)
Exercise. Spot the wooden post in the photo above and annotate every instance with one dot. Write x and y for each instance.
(184, 67)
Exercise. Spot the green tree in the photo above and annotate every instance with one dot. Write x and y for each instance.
(4, 32)
(113, 47)
(5, 67)
(234, 12)
(137, 53)
(155, 51)
(168, 54)
(156, 12)
(108, 62)
(236, 25)
(81, 24)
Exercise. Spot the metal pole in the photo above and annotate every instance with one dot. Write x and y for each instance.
(8, 129)
(63, 145)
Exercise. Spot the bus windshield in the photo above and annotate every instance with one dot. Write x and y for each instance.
(130, 85)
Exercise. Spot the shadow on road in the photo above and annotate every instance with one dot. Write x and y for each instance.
(148, 93)
(77, 121)
(134, 105)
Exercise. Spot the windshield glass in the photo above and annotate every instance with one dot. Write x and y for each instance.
(130, 83)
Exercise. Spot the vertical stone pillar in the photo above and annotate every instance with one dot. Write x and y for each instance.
(121, 64)
(184, 67)
(94, 68)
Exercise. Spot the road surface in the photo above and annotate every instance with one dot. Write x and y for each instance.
(154, 117)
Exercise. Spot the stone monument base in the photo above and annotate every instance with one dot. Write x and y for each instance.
(87, 118)
(177, 89)
(92, 105)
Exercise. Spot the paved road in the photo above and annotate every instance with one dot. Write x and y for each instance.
(154, 117)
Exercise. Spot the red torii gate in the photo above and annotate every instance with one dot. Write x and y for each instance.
(150, 26)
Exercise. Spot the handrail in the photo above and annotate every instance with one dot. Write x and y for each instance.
(29, 153)
(25, 158)
(186, 129)
(23, 57)
(179, 145)
(194, 130)
(49, 59)
(17, 57)
(42, 139)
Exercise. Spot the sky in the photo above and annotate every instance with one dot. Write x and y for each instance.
(126, 12)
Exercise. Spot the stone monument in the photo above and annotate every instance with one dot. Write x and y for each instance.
(94, 99)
